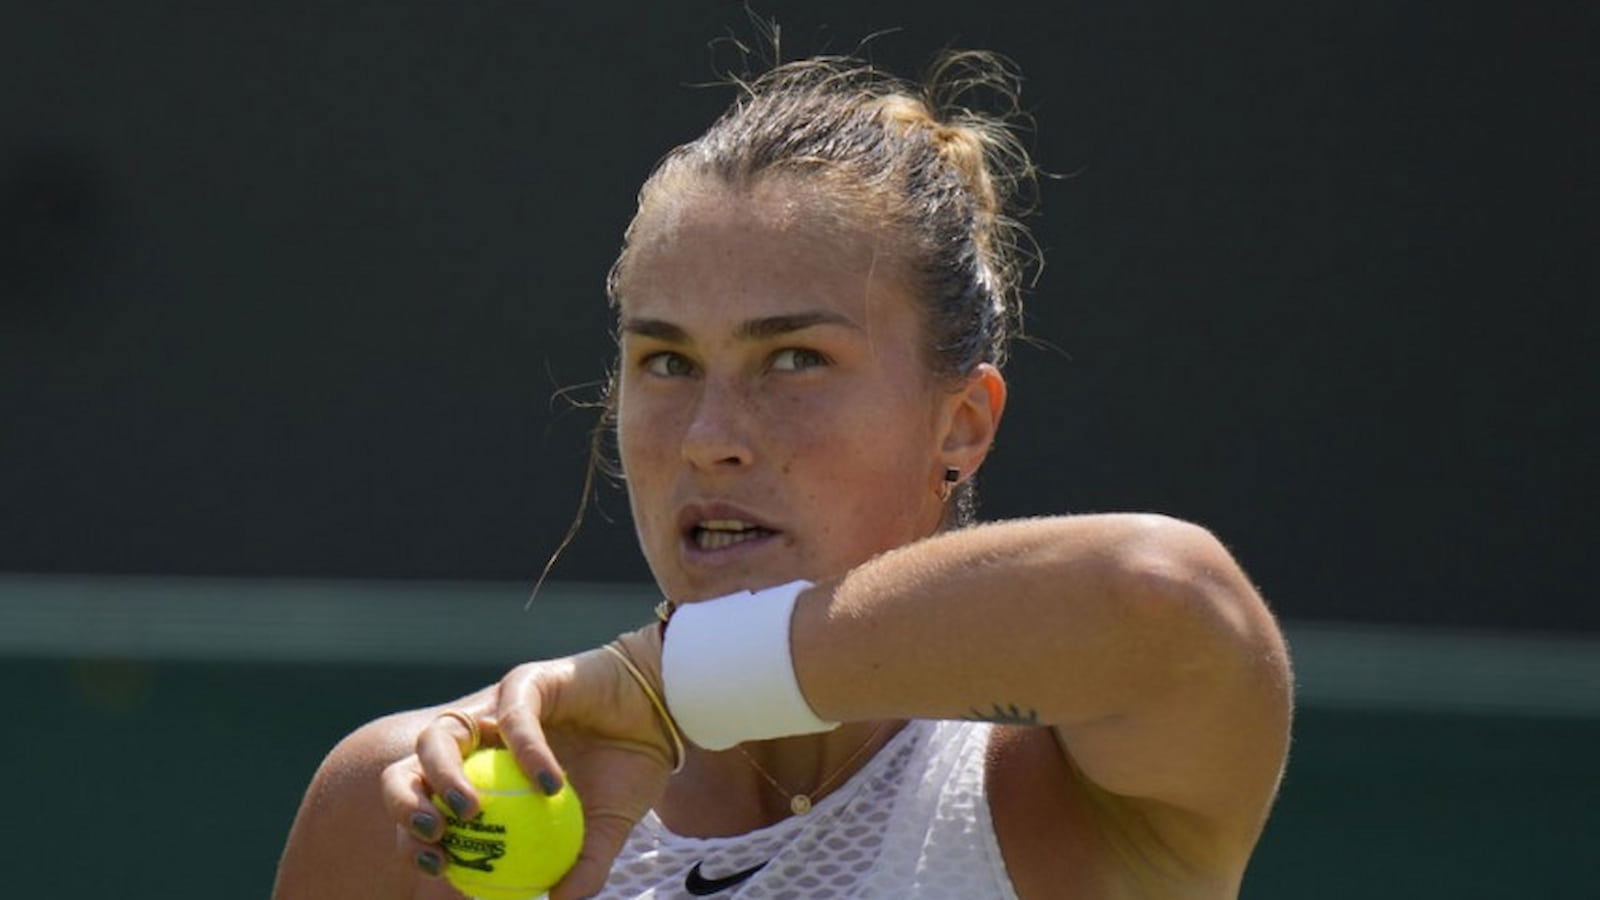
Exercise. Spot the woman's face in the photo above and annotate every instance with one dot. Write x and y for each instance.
(775, 418)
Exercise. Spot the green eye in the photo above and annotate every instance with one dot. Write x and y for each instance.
(796, 359)
(668, 365)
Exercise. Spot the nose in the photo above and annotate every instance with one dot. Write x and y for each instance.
(718, 438)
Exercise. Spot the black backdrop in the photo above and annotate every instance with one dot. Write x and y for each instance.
(287, 288)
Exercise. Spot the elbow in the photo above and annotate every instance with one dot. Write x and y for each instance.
(1183, 582)
(1182, 567)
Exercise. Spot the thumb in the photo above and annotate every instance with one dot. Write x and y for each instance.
(603, 836)
(516, 723)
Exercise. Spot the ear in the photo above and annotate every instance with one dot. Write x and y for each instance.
(972, 416)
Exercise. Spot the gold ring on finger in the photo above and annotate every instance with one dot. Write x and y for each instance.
(474, 736)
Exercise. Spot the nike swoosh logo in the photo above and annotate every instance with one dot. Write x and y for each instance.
(700, 886)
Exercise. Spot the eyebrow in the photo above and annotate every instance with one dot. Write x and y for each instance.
(751, 329)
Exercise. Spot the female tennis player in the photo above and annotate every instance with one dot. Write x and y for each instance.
(856, 692)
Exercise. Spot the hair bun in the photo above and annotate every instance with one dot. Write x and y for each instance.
(939, 159)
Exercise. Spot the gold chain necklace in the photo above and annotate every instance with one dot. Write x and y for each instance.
(800, 804)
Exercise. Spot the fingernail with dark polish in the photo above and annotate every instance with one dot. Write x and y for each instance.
(549, 782)
(423, 824)
(428, 862)
(457, 802)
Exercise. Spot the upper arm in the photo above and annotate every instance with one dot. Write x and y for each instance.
(343, 841)
(1200, 757)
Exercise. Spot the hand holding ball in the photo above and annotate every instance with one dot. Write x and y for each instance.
(520, 843)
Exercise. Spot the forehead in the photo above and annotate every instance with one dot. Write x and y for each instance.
(707, 252)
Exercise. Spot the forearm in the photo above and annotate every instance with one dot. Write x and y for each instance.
(1057, 621)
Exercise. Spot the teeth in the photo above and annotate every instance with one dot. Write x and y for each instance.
(707, 539)
(726, 525)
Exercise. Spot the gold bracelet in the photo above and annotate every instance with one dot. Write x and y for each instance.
(655, 700)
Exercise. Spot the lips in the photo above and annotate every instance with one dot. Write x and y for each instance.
(711, 527)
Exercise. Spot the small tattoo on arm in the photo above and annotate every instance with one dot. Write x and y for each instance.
(1010, 714)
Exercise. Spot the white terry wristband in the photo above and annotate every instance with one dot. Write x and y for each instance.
(728, 673)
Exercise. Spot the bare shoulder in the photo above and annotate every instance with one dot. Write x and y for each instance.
(1166, 795)
(1204, 751)
(342, 843)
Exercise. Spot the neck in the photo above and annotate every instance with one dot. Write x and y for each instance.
(719, 794)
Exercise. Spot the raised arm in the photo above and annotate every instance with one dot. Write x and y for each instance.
(1136, 637)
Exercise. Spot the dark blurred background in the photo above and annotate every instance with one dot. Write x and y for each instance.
(287, 292)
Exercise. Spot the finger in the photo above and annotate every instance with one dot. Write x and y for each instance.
(421, 856)
(440, 748)
(517, 719)
(406, 799)
(603, 837)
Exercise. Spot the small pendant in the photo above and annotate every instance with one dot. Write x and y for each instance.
(800, 804)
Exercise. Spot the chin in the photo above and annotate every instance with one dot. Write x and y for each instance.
(721, 584)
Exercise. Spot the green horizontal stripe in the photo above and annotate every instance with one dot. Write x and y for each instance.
(491, 623)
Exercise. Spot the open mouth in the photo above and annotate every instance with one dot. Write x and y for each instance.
(718, 534)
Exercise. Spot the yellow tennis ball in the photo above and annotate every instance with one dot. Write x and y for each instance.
(520, 843)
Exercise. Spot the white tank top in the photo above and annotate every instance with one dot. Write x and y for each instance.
(913, 822)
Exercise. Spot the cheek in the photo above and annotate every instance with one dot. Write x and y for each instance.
(646, 460)
(641, 427)
(632, 452)
(858, 467)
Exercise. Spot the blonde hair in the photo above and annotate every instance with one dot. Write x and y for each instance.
(946, 178)
(953, 181)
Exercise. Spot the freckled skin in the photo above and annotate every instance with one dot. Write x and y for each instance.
(840, 454)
